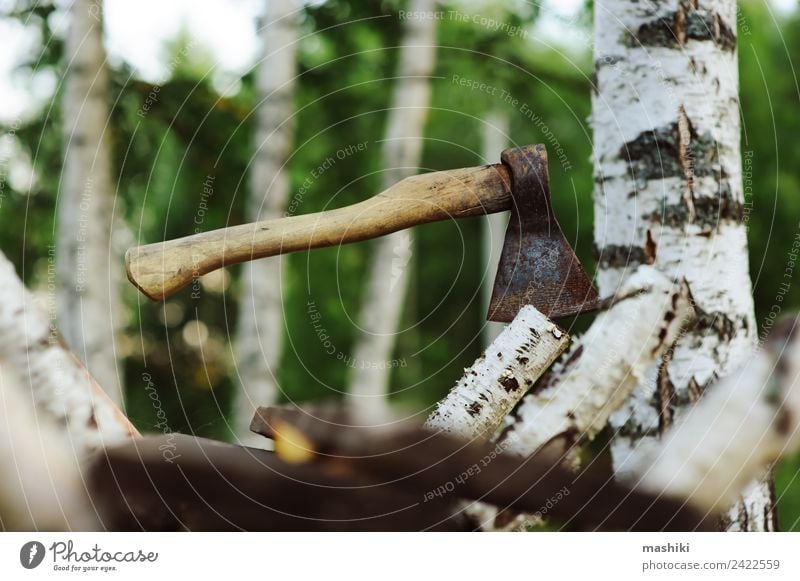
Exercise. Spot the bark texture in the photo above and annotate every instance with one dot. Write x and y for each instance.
(389, 269)
(669, 193)
(259, 332)
(87, 264)
(60, 385)
(746, 422)
(490, 389)
(495, 140)
(604, 366)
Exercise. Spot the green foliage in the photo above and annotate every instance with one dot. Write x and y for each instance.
(770, 122)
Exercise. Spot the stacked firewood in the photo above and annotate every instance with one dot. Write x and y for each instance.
(500, 451)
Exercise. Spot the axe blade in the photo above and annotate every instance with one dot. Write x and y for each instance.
(537, 266)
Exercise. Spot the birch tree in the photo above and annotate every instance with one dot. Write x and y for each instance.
(86, 264)
(669, 192)
(388, 272)
(495, 140)
(259, 332)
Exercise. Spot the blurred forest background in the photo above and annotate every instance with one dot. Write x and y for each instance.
(200, 130)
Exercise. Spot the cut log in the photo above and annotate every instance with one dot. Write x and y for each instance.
(440, 467)
(490, 389)
(576, 399)
(41, 488)
(60, 384)
(211, 486)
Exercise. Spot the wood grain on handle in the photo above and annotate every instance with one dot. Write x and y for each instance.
(161, 269)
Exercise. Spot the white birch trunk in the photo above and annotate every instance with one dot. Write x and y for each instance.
(388, 272)
(603, 367)
(259, 331)
(59, 384)
(490, 389)
(669, 192)
(40, 485)
(495, 140)
(87, 264)
(746, 422)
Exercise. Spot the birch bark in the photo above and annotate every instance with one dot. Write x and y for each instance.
(489, 390)
(40, 486)
(603, 368)
(669, 193)
(259, 331)
(87, 264)
(59, 384)
(388, 272)
(747, 421)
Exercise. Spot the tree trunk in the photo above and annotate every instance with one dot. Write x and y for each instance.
(746, 422)
(669, 192)
(495, 140)
(259, 334)
(86, 263)
(388, 273)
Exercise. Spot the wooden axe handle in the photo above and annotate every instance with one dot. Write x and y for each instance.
(161, 269)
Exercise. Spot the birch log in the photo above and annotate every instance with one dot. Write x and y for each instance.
(601, 370)
(61, 387)
(40, 484)
(669, 193)
(87, 265)
(388, 272)
(576, 397)
(495, 140)
(746, 422)
(259, 331)
(490, 389)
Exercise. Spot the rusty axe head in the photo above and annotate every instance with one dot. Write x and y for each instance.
(537, 266)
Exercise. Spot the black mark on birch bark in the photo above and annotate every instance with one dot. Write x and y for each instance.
(719, 324)
(650, 248)
(665, 394)
(686, 161)
(618, 256)
(663, 152)
(509, 382)
(675, 29)
(693, 390)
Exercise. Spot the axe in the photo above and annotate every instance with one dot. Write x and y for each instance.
(537, 265)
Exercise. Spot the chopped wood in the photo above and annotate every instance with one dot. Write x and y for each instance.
(40, 485)
(60, 384)
(438, 466)
(594, 379)
(490, 389)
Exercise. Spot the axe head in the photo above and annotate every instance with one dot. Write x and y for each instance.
(537, 266)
